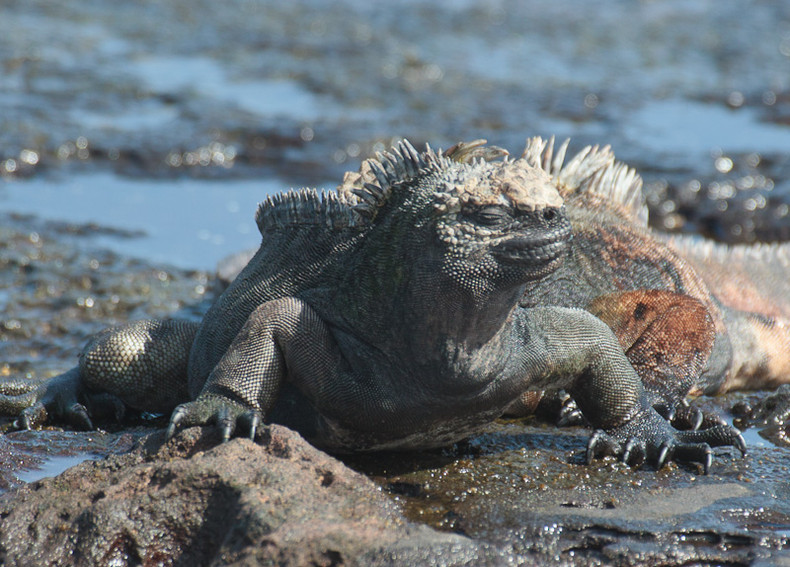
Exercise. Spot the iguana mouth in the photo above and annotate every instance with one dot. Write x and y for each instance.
(522, 249)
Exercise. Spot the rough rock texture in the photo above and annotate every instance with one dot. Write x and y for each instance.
(190, 503)
(519, 494)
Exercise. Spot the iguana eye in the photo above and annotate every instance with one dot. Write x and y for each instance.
(490, 215)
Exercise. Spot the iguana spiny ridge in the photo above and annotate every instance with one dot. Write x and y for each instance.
(394, 313)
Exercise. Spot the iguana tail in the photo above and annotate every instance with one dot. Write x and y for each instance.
(752, 284)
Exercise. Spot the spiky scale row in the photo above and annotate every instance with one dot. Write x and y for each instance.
(623, 185)
(305, 206)
(371, 187)
(593, 170)
(773, 253)
(361, 195)
(356, 200)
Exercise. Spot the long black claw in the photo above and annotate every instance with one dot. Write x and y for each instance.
(175, 421)
(695, 418)
(632, 449)
(665, 410)
(31, 417)
(79, 418)
(227, 424)
(570, 418)
(665, 454)
(255, 422)
(740, 444)
(601, 445)
(697, 452)
(592, 445)
(569, 414)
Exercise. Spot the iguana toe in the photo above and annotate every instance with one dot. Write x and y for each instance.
(226, 422)
(77, 415)
(31, 417)
(691, 416)
(720, 435)
(229, 417)
(569, 414)
(634, 453)
(187, 415)
(665, 453)
(251, 421)
(684, 416)
(695, 452)
(600, 445)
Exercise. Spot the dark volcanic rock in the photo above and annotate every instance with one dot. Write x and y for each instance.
(193, 502)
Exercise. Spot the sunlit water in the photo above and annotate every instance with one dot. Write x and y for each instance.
(186, 223)
(51, 466)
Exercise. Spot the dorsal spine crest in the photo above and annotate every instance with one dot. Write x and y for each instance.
(593, 170)
(369, 188)
(305, 207)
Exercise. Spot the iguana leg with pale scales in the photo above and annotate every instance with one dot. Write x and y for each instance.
(141, 365)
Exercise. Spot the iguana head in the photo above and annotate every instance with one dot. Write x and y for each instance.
(487, 222)
(503, 219)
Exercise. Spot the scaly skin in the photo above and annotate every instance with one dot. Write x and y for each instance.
(393, 315)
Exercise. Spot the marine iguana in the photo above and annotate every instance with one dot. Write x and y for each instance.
(396, 313)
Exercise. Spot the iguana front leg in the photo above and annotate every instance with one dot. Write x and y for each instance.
(582, 355)
(283, 339)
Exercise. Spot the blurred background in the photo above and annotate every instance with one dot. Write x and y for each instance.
(162, 123)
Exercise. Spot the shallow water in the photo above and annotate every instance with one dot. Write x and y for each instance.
(187, 223)
(52, 466)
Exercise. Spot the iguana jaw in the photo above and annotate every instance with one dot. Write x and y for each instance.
(538, 241)
(538, 256)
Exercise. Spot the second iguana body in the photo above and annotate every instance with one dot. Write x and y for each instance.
(405, 310)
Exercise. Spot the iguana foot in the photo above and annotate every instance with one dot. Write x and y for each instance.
(650, 438)
(228, 416)
(685, 416)
(557, 406)
(34, 402)
(74, 413)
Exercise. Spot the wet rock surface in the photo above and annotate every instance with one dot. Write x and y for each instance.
(189, 502)
(518, 494)
(526, 485)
